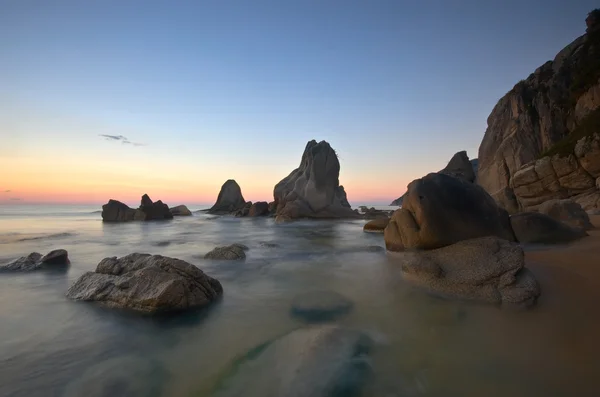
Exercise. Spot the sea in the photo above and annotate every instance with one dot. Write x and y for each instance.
(425, 345)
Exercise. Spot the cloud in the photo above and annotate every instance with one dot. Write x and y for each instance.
(15, 199)
(7, 191)
(122, 139)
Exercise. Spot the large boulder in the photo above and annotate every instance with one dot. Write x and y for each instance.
(150, 211)
(486, 269)
(313, 190)
(116, 211)
(316, 361)
(180, 210)
(376, 225)
(439, 210)
(543, 116)
(35, 261)
(260, 208)
(147, 283)
(568, 212)
(536, 228)
(230, 199)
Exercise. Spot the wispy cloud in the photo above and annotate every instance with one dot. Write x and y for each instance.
(15, 199)
(7, 191)
(122, 139)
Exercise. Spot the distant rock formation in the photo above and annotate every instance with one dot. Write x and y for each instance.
(116, 211)
(147, 283)
(459, 166)
(150, 211)
(35, 261)
(439, 210)
(180, 210)
(532, 150)
(230, 199)
(312, 190)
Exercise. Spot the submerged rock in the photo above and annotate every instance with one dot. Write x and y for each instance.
(486, 269)
(230, 199)
(316, 306)
(568, 212)
(180, 210)
(229, 252)
(317, 361)
(533, 227)
(36, 261)
(376, 225)
(313, 189)
(439, 210)
(120, 376)
(147, 283)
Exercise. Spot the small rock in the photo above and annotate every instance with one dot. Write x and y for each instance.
(180, 210)
(56, 257)
(230, 252)
(316, 306)
(376, 225)
(260, 208)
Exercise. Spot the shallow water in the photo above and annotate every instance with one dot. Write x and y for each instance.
(426, 346)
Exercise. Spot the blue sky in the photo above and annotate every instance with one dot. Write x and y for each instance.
(234, 89)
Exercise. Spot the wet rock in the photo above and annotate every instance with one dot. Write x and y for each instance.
(36, 261)
(316, 306)
(120, 376)
(147, 283)
(244, 211)
(439, 210)
(376, 225)
(536, 228)
(316, 361)
(180, 210)
(116, 211)
(230, 199)
(150, 211)
(229, 252)
(568, 212)
(486, 269)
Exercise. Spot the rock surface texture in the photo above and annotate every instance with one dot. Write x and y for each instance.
(486, 269)
(230, 199)
(540, 143)
(536, 228)
(376, 225)
(439, 210)
(147, 283)
(229, 252)
(313, 190)
(260, 208)
(35, 261)
(568, 212)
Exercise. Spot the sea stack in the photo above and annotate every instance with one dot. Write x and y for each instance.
(230, 199)
(313, 189)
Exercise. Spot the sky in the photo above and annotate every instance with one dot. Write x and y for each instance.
(113, 99)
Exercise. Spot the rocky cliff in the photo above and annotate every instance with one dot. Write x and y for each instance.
(542, 116)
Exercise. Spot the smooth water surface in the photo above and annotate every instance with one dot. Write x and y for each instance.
(427, 346)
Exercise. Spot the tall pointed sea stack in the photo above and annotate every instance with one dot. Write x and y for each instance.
(230, 199)
(313, 189)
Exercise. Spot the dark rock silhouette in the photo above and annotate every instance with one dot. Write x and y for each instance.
(230, 199)
(536, 228)
(180, 210)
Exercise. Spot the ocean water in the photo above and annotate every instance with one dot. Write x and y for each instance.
(426, 346)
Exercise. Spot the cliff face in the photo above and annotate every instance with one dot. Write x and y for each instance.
(543, 115)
